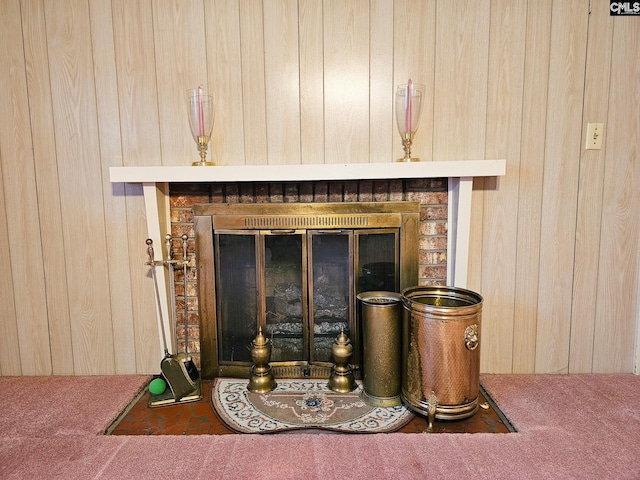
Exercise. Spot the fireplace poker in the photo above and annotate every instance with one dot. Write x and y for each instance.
(182, 387)
(172, 288)
(152, 264)
(191, 368)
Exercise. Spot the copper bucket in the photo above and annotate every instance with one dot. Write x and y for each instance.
(441, 351)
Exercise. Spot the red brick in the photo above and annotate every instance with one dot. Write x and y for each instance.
(351, 191)
(431, 212)
(181, 215)
(291, 193)
(276, 192)
(433, 227)
(427, 271)
(335, 191)
(306, 192)
(428, 257)
(396, 191)
(365, 193)
(432, 243)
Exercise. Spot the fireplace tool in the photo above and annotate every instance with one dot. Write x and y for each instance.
(177, 370)
(188, 362)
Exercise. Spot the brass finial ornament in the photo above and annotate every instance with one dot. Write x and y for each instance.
(261, 379)
(342, 379)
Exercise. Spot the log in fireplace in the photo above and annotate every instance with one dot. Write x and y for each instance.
(293, 270)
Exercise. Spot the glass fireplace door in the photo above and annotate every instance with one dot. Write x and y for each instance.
(285, 296)
(237, 305)
(331, 263)
(299, 286)
(377, 260)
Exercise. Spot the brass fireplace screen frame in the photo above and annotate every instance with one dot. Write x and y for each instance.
(289, 217)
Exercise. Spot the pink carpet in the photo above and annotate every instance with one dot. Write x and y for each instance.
(569, 426)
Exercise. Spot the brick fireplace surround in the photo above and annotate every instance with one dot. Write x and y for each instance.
(431, 193)
(443, 188)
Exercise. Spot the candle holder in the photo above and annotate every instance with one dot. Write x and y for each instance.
(408, 110)
(201, 115)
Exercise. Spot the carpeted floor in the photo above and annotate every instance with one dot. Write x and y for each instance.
(569, 426)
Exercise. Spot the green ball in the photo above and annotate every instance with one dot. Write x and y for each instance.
(157, 386)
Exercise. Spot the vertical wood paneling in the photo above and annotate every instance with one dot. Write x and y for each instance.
(311, 81)
(346, 81)
(74, 109)
(590, 190)
(253, 82)
(282, 81)
(460, 99)
(559, 194)
(140, 137)
(224, 65)
(21, 203)
(382, 129)
(48, 185)
(414, 56)
(618, 274)
(90, 84)
(10, 362)
(180, 55)
(530, 174)
(115, 200)
(137, 93)
(504, 117)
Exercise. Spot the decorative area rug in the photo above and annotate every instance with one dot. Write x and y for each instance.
(301, 404)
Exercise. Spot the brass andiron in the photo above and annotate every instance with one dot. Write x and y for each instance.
(342, 379)
(261, 379)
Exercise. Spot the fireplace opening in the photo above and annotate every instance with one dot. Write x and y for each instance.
(294, 270)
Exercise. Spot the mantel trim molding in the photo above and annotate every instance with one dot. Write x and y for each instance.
(311, 172)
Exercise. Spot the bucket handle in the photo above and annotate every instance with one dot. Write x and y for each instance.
(471, 340)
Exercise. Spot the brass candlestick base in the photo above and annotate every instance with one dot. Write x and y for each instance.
(203, 142)
(407, 140)
(261, 379)
(342, 379)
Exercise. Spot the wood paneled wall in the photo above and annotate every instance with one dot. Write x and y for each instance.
(85, 85)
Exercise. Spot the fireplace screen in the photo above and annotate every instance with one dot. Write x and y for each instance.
(297, 284)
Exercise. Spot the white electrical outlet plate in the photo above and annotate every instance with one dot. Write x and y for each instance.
(595, 132)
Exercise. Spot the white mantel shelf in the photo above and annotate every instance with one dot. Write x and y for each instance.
(155, 182)
(315, 172)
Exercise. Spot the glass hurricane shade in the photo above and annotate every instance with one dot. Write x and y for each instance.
(201, 112)
(409, 107)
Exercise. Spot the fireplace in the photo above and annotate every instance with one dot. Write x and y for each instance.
(293, 270)
(443, 189)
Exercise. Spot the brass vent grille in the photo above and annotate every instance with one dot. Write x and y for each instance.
(323, 221)
(301, 371)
